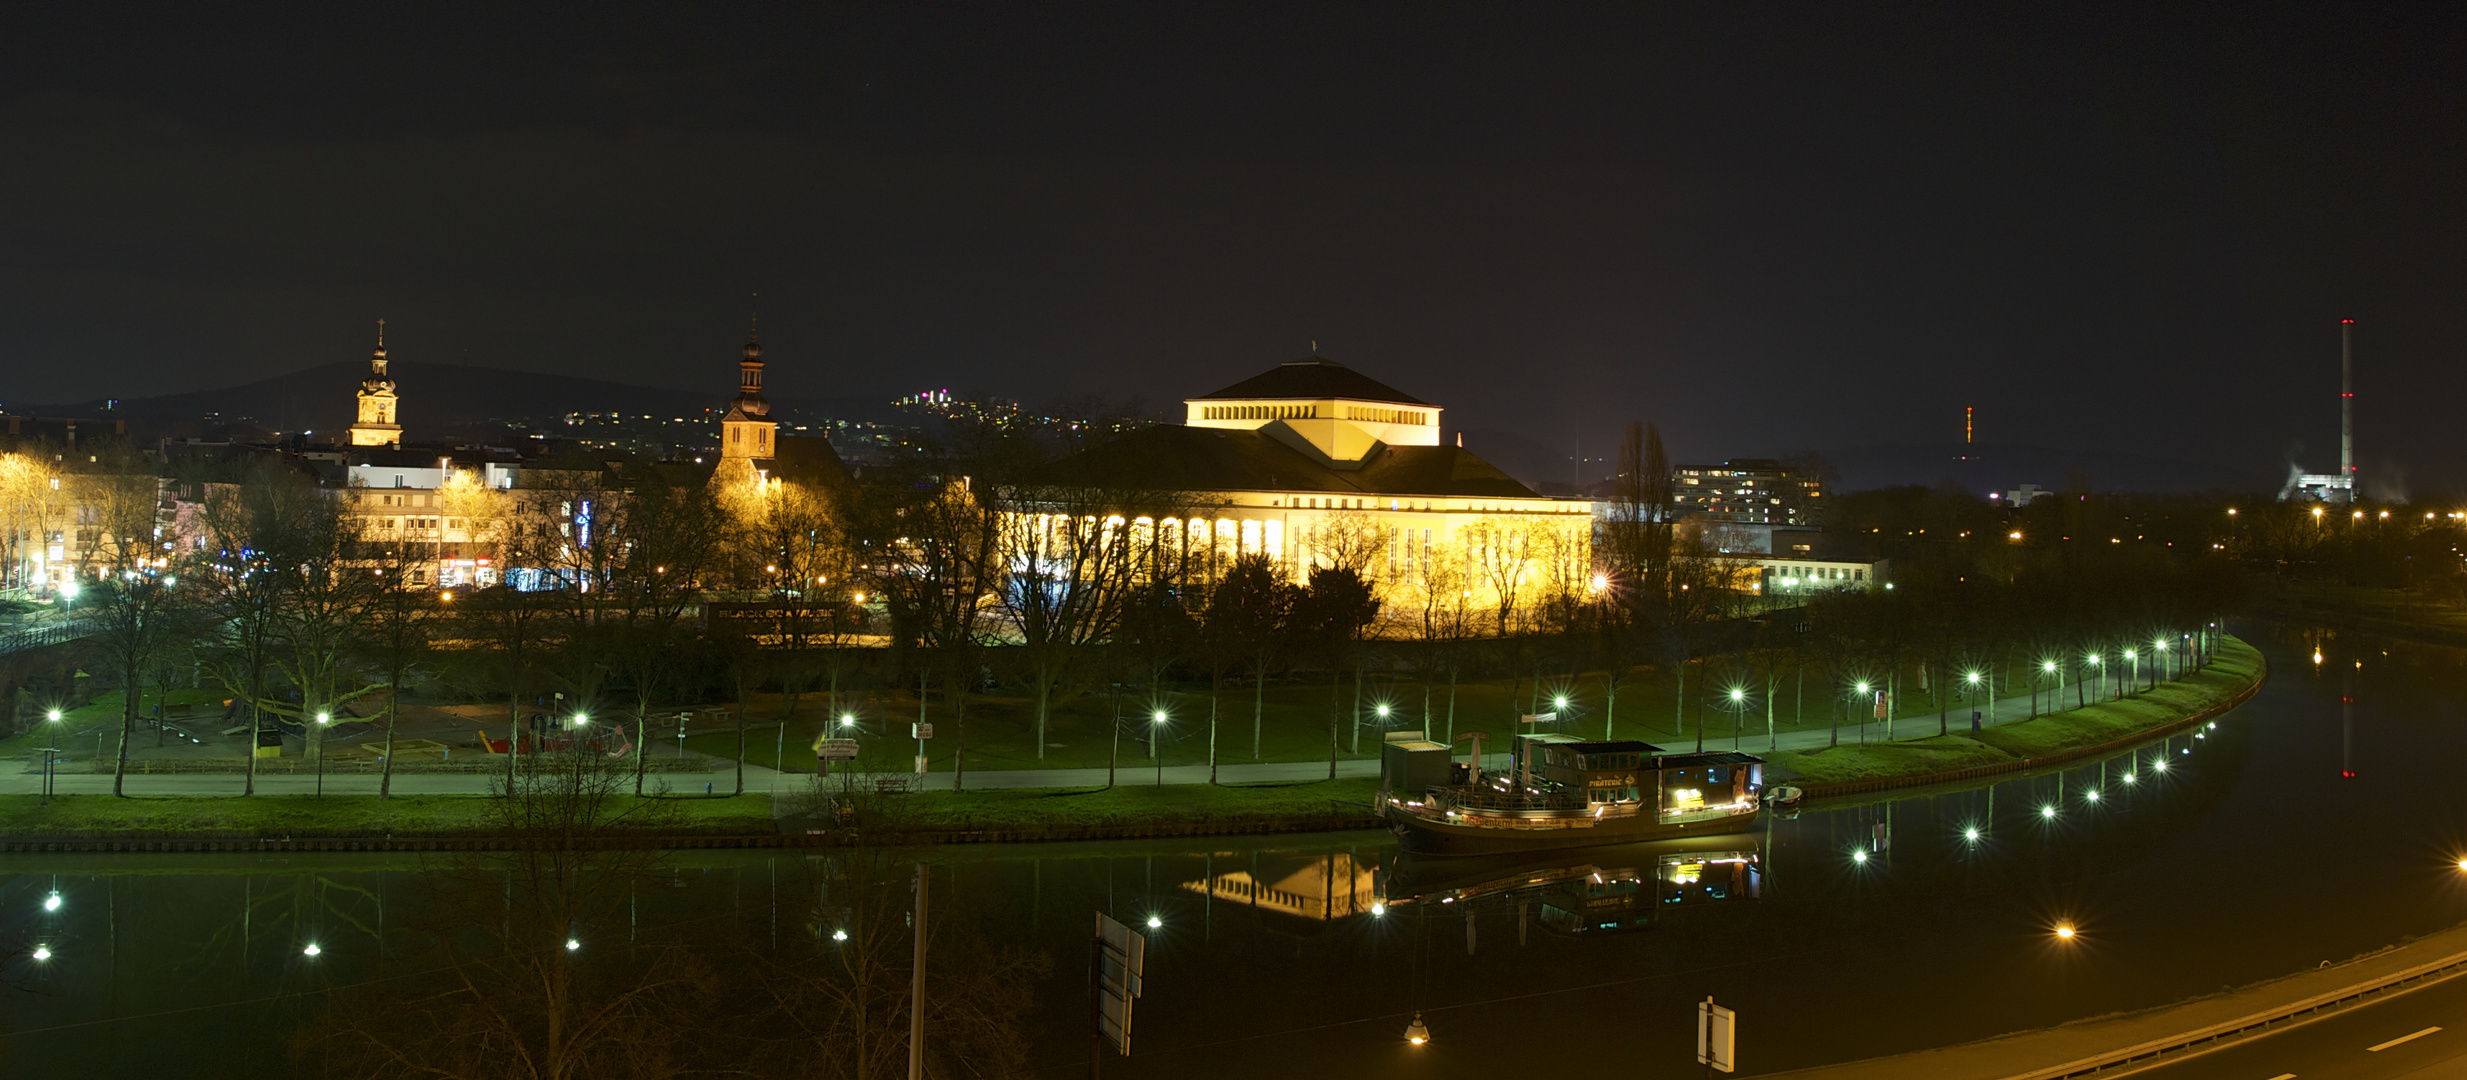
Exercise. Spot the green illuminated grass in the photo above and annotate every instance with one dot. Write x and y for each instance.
(301, 815)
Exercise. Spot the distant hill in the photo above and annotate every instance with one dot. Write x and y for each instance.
(436, 398)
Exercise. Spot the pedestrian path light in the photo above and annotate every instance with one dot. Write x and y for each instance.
(311, 950)
(1416, 1033)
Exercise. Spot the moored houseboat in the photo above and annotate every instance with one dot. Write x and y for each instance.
(1561, 791)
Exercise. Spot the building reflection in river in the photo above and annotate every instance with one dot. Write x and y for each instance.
(1590, 891)
(1321, 890)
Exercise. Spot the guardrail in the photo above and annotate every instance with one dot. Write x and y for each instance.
(2149, 1053)
(37, 637)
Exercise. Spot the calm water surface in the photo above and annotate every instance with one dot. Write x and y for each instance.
(2252, 855)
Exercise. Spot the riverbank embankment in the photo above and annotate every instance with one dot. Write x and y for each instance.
(2233, 676)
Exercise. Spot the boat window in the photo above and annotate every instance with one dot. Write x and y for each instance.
(1717, 776)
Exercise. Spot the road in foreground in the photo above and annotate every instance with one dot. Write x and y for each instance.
(2418, 1034)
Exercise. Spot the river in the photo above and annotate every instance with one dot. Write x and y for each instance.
(2320, 820)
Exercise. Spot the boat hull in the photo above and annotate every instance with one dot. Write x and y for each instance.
(1423, 836)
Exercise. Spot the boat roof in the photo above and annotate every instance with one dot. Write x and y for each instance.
(1711, 757)
(1613, 746)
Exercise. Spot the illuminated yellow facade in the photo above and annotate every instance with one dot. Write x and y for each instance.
(377, 424)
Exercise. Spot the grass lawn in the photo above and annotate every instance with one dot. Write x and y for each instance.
(1124, 805)
(103, 713)
(349, 815)
(2236, 666)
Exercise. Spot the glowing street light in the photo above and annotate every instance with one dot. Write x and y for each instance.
(1416, 1033)
(839, 935)
(2064, 931)
(1559, 702)
(2047, 813)
(1383, 712)
(53, 716)
(41, 953)
(572, 944)
(848, 720)
(52, 902)
(311, 950)
(1380, 910)
(2093, 795)
(1971, 834)
(1859, 856)
(1155, 923)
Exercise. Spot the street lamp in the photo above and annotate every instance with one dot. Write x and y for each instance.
(322, 720)
(52, 902)
(1415, 1033)
(1738, 715)
(2136, 660)
(312, 950)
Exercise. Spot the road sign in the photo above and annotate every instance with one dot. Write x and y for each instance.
(1884, 703)
(1717, 1036)
(920, 731)
(1120, 963)
(1539, 718)
(838, 750)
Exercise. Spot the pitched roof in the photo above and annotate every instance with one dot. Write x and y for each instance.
(1176, 458)
(1314, 377)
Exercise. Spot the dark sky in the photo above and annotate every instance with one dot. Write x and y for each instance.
(1764, 227)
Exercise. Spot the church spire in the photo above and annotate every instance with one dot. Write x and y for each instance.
(749, 370)
(376, 360)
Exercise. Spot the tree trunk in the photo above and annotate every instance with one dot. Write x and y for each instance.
(1044, 694)
(1259, 701)
(128, 728)
(1336, 682)
(1216, 695)
(1113, 754)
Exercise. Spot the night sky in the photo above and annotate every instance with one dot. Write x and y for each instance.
(1766, 228)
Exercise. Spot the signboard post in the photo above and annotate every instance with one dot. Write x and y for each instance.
(922, 731)
(1117, 966)
(838, 750)
(1717, 1036)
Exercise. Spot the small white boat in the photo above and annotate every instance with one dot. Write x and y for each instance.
(1783, 795)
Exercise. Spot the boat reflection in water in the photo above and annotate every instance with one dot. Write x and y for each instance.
(1588, 891)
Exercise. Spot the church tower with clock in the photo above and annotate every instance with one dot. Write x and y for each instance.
(377, 424)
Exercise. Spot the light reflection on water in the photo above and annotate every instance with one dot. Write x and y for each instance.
(2315, 823)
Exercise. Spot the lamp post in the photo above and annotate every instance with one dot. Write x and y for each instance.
(1156, 733)
(2102, 672)
(1738, 715)
(322, 720)
(51, 754)
(2135, 659)
(1863, 692)
(1970, 680)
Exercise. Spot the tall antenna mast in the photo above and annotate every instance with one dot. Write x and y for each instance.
(2347, 406)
